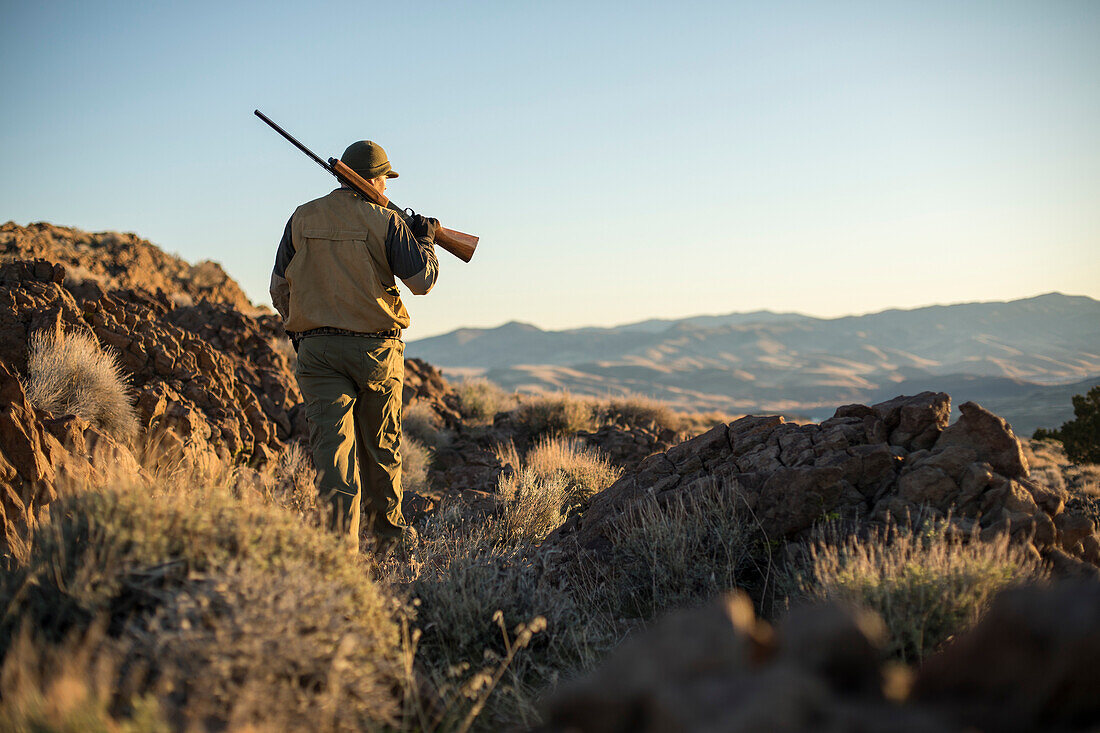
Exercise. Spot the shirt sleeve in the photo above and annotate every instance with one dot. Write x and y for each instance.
(280, 288)
(411, 259)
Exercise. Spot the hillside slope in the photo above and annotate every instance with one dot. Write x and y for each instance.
(766, 362)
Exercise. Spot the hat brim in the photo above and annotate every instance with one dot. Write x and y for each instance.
(391, 174)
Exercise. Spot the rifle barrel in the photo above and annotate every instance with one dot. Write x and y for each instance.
(294, 142)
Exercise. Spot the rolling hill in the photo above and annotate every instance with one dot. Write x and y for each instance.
(1023, 357)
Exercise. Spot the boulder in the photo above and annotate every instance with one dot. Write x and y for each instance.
(718, 668)
(1029, 664)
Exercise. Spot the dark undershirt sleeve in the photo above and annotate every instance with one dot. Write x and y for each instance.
(285, 253)
(410, 257)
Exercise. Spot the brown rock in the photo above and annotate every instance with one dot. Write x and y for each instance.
(989, 435)
(1029, 664)
(915, 422)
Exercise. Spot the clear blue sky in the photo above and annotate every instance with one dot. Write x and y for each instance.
(619, 161)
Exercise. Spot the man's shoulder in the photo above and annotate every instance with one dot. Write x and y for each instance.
(344, 201)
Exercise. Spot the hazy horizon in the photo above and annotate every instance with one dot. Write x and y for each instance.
(619, 161)
(760, 310)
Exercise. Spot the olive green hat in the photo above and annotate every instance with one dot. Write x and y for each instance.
(368, 160)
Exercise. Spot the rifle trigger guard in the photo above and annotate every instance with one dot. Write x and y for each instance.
(410, 212)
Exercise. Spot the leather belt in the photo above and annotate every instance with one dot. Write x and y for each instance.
(327, 331)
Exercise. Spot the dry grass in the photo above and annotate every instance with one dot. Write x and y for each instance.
(72, 374)
(555, 477)
(560, 414)
(480, 400)
(291, 481)
(229, 599)
(635, 409)
(1049, 465)
(682, 551)
(415, 460)
(420, 421)
(224, 610)
(584, 471)
(286, 648)
(69, 688)
(927, 585)
(534, 506)
(472, 593)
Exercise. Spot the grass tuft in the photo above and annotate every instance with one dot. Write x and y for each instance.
(533, 506)
(202, 574)
(71, 374)
(635, 409)
(415, 461)
(479, 400)
(420, 421)
(584, 472)
(560, 414)
(927, 585)
(683, 551)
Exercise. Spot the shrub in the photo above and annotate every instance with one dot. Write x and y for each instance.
(1081, 436)
(584, 472)
(927, 585)
(291, 481)
(420, 421)
(557, 414)
(123, 550)
(533, 506)
(71, 374)
(287, 649)
(682, 551)
(479, 400)
(634, 409)
(468, 589)
(415, 460)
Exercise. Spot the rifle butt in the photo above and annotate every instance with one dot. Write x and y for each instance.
(460, 244)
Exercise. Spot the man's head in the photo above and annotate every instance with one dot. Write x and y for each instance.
(368, 159)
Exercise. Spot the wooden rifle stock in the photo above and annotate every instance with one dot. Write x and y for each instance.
(460, 244)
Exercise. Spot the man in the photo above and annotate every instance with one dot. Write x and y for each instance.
(334, 285)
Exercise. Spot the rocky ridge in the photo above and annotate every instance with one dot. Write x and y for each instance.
(117, 261)
(898, 459)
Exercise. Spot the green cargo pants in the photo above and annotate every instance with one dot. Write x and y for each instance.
(352, 390)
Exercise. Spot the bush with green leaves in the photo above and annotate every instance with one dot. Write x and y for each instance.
(1080, 436)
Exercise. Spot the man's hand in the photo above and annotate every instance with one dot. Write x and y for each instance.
(423, 226)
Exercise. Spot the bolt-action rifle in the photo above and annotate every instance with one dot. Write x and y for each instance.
(459, 244)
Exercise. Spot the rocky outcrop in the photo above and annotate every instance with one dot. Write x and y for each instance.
(898, 459)
(38, 452)
(1028, 665)
(188, 391)
(425, 384)
(115, 261)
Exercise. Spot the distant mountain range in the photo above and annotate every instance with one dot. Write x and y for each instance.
(1023, 359)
